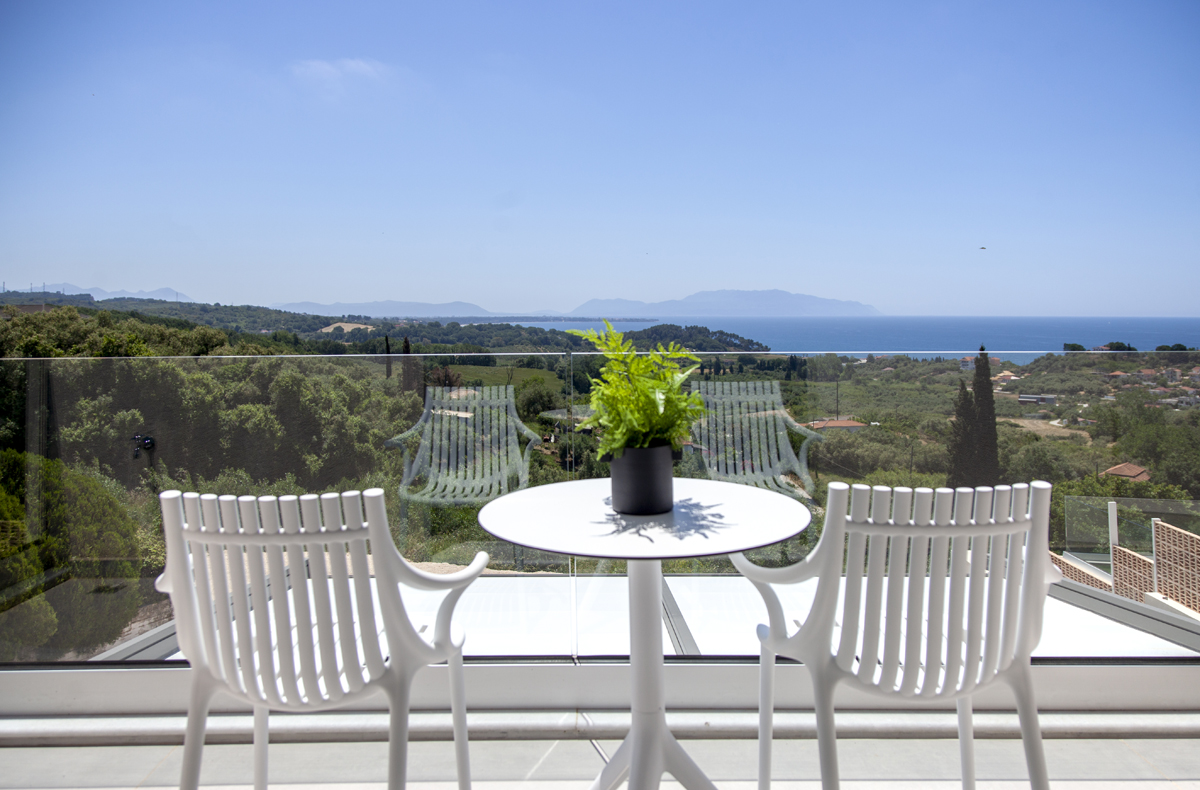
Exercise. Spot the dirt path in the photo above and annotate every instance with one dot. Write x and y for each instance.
(1044, 428)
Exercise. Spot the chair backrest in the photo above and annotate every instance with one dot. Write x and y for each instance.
(470, 441)
(744, 435)
(943, 590)
(273, 595)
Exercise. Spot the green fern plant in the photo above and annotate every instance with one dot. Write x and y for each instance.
(639, 399)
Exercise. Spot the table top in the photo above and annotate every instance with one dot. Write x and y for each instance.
(710, 517)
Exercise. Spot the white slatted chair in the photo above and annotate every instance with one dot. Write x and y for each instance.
(469, 450)
(943, 596)
(274, 605)
(744, 435)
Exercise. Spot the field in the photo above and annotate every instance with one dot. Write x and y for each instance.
(492, 376)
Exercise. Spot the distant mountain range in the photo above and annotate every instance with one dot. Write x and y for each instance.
(726, 304)
(166, 294)
(389, 309)
(705, 304)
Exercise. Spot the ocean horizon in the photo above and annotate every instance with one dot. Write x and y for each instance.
(1019, 339)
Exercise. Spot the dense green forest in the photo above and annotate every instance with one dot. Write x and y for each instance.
(235, 318)
(215, 330)
(245, 413)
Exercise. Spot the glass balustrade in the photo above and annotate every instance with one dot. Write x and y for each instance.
(89, 443)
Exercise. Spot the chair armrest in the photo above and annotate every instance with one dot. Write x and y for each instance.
(399, 439)
(163, 583)
(803, 570)
(791, 423)
(776, 631)
(534, 439)
(441, 628)
(411, 576)
(528, 433)
(412, 467)
(1053, 574)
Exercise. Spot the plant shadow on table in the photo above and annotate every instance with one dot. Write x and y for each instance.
(688, 518)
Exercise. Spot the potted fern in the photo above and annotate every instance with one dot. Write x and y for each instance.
(644, 416)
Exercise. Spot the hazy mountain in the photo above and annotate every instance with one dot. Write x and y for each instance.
(166, 294)
(388, 309)
(765, 304)
(698, 305)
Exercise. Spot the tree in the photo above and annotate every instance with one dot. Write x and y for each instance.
(987, 457)
(79, 524)
(534, 396)
(973, 447)
(445, 377)
(961, 447)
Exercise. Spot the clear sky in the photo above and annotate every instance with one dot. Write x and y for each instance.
(531, 156)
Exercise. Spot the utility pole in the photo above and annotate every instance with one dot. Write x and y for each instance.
(837, 400)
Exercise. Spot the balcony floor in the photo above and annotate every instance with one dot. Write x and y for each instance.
(894, 764)
(589, 616)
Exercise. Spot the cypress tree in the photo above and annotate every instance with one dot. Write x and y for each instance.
(961, 447)
(987, 453)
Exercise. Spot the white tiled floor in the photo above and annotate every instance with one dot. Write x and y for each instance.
(557, 615)
(589, 616)
(538, 615)
(542, 765)
(718, 610)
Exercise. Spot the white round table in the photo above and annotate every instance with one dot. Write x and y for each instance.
(709, 518)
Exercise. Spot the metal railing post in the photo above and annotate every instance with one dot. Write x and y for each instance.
(1113, 531)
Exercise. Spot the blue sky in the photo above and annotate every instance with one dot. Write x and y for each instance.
(531, 156)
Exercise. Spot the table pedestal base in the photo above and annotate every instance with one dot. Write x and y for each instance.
(649, 749)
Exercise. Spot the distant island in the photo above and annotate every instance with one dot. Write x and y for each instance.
(728, 304)
(390, 309)
(705, 304)
(165, 294)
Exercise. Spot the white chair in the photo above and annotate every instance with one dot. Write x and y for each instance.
(469, 451)
(943, 595)
(744, 436)
(274, 605)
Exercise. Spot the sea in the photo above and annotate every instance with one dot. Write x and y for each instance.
(1019, 339)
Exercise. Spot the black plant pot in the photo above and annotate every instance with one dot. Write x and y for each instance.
(642, 481)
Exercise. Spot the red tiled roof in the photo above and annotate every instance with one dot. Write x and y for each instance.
(1128, 471)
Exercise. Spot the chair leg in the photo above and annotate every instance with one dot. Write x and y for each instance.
(398, 734)
(262, 739)
(966, 742)
(766, 715)
(458, 711)
(826, 731)
(193, 738)
(1031, 730)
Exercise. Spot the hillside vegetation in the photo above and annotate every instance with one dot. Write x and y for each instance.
(152, 327)
(251, 413)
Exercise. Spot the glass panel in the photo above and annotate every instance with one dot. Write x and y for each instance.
(1087, 527)
(100, 438)
(88, 444)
